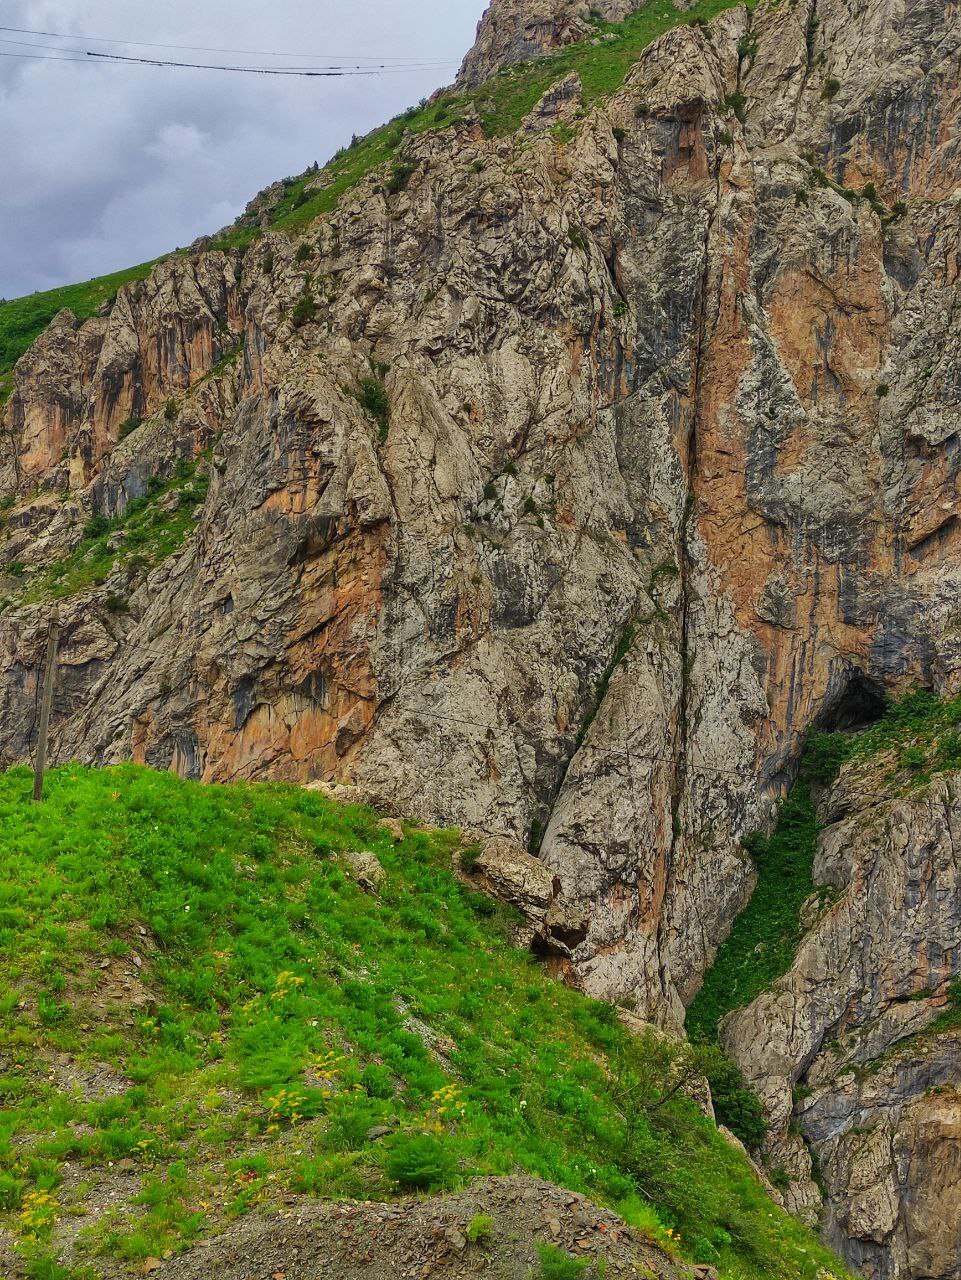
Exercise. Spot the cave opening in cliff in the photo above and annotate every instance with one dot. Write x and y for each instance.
(860, 703)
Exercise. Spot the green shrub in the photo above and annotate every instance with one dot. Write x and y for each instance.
(304, 252)
(11, 1191)
(949, 750)
(736, 1105)
(881, 390)
(736, 103)
(376, 1081)
(171, 410)
(824, 754)
(349, 1125)
(373, 397)
(421, 1162)
(96, 527)
(400, 176)
(832, 87)
(129, 426)
(479, 1228)
(16, 568)
(914, 758)
(470, 858)
(555, 1264)
(305, 309)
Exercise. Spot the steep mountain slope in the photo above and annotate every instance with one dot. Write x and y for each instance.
(221, 1001)
(855, 1048)
(595, 439)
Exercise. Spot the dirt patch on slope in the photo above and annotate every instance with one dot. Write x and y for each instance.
(419, 1239)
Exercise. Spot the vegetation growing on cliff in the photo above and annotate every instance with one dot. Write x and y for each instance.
(920, 735)
(765, 936)
(197, 996)
(149, 530)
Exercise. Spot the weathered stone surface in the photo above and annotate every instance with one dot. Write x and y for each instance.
(366, 869)
(517, 877)
(854, 1025)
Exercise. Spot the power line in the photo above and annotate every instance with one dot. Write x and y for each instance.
(250, 53)
(93, 53)
(106, 59)
(257, 71)
(39, 57)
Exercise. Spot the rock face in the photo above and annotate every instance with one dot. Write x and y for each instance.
(670, 473)
(857, 1050)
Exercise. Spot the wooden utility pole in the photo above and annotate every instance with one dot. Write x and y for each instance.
(48, 675)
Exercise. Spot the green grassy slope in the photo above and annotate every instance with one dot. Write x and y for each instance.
(24, 319)
(277, 1014)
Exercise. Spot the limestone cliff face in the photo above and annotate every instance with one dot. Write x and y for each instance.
(671, 473)
(852, 1051)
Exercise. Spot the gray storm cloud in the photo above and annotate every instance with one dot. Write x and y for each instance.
(105, 166)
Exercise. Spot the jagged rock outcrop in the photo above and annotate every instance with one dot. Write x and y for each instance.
(670, 472)
(852, 1050)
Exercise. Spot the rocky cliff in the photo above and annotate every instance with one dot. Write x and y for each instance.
(856, 1050)
(554, 484)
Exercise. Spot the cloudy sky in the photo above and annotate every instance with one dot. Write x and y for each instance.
(107, 165)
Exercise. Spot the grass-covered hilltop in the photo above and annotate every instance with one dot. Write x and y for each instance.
(205, 1014)
(501, 102)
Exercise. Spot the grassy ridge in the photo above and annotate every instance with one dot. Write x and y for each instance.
(24, 319)
(287, 1015)
(503, 102)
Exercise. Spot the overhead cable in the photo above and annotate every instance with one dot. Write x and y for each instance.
(251, 53)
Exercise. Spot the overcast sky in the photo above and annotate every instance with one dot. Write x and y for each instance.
(107, 166)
